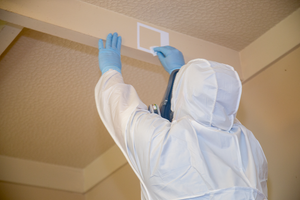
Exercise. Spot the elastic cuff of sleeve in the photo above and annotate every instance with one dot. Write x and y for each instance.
(111, 67)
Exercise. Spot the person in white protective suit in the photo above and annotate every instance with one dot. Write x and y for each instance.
(204, 152)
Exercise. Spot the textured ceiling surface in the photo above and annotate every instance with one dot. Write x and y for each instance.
(231, 23)
(47, 107)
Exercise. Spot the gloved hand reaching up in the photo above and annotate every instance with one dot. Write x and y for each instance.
(110, 56)
(170, 57)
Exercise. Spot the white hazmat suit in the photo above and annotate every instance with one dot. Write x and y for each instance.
(205, 153)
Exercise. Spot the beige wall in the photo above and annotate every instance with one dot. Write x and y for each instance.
(270, 108)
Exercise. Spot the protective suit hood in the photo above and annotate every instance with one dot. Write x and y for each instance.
(208, 92)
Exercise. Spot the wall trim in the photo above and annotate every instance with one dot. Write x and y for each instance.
(8, 32)
(40, 174)
(103, 166)
(52, 176)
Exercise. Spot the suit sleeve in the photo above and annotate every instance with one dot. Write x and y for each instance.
(116, 102)
(138, 133)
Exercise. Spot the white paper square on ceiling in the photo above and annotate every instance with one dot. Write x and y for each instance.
(164, 38)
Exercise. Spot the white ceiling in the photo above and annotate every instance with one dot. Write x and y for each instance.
(231, 23)
(47, 110)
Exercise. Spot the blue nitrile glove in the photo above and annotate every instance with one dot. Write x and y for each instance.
(110, 56)
(170, 57)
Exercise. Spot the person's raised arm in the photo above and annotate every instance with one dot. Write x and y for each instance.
(170, 58)
(116, 101)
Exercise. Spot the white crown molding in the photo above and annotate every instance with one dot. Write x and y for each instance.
(41, 174)
(8, 32)
(60, 177)
(103, 166)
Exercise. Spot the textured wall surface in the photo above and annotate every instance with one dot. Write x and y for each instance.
(233, 24)
(47, 106)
